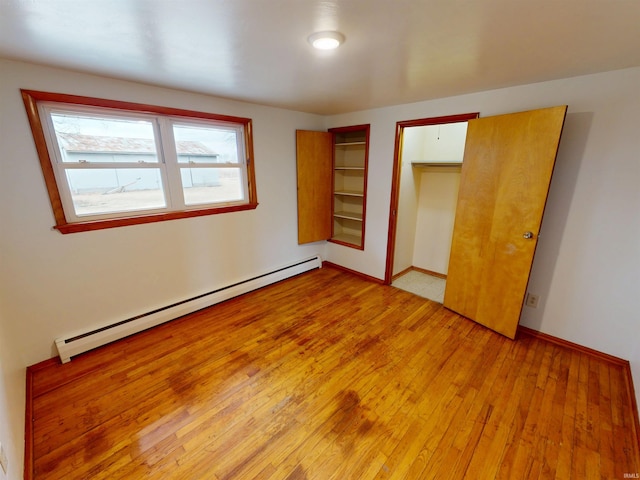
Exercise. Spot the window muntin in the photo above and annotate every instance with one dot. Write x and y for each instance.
(109, 163)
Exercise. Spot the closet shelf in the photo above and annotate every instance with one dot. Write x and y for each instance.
(426, 164)
(349, 215)
(346, 239)
(349, 193)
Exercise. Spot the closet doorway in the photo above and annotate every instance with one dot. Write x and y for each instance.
(427, 165)
(508, 163)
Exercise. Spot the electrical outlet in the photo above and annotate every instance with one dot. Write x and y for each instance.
(4, 461)
(532, 300)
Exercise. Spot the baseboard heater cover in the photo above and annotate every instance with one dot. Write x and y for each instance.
(81, 342)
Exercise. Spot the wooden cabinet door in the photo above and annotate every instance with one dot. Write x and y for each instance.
(314, 152)
(508, 162)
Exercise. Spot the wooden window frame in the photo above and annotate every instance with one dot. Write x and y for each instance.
(31, 99)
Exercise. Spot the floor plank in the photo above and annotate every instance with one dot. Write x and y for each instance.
(329, 376)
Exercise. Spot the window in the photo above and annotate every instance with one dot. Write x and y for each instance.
(108, 164)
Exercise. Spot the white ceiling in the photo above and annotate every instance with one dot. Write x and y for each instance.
(396, 51)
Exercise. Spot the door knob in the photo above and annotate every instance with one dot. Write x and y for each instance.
(528, 235)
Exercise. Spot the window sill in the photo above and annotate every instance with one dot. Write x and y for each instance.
(77, 227)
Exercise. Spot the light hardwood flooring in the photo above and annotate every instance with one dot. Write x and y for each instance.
(329, 376)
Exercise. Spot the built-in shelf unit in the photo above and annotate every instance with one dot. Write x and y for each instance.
(350, 159)
(332, 185)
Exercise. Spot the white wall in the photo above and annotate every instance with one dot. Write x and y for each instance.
(412, 147)
(587, 268)
(12, 395)
(52, 284)
(444, 143)
(437, 201)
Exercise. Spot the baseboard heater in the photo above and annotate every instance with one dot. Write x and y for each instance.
(81, 342)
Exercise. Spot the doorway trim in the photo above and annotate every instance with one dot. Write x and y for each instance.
(395, 180)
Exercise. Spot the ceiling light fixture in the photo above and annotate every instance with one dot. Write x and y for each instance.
(326, 40)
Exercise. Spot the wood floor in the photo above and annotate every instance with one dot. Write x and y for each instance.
(329, 376)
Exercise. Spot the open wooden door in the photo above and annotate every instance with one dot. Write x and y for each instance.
(314, 153)
(508, 162)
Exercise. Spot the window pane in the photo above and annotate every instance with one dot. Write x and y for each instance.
(97, 139)
(211, 185)
(206, 144)
(110, 190)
